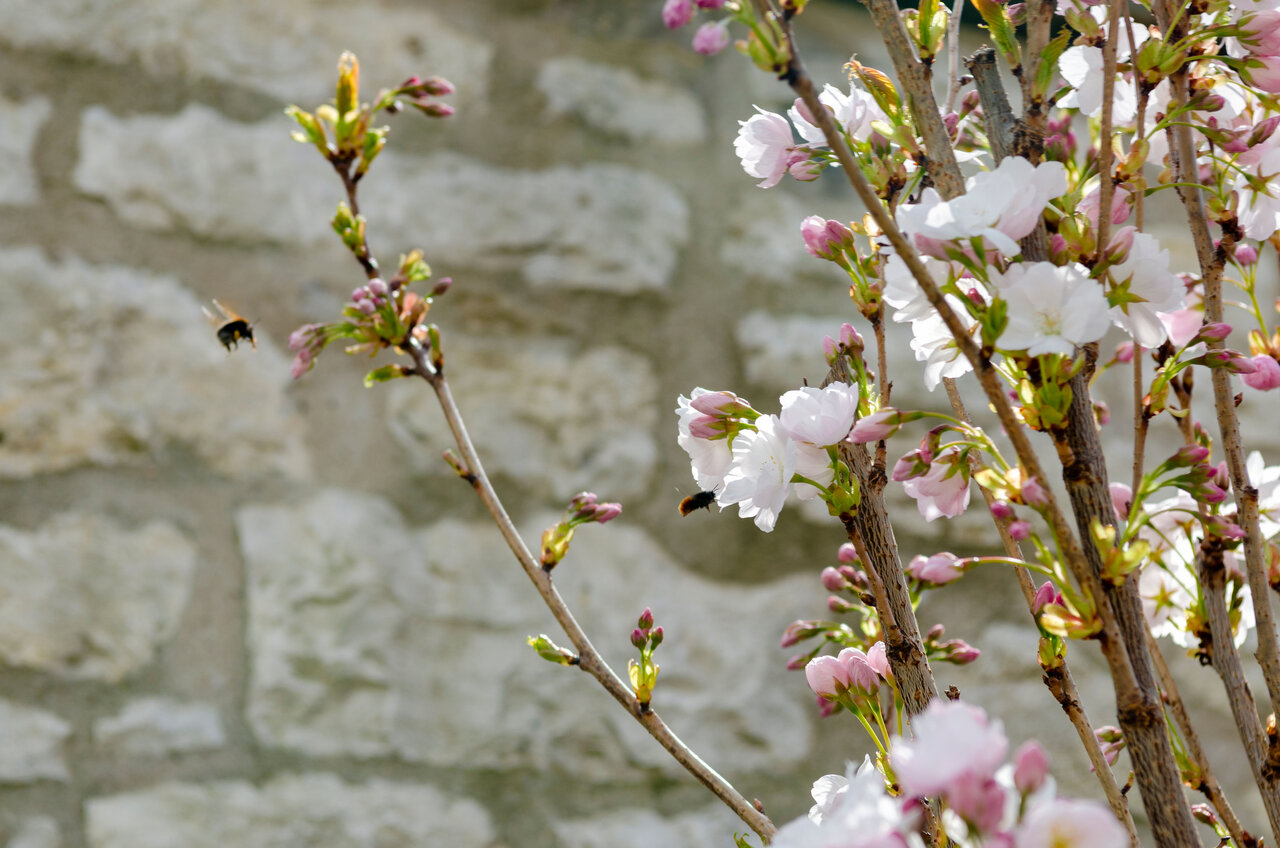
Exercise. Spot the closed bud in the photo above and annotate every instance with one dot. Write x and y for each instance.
(847, 554)
(655, 637)
(1019, 530)
(646, 619)
(1031, 766)
(833, 580)
(638, 638)
(1001, 510)
(1045, 595)
(839, 605)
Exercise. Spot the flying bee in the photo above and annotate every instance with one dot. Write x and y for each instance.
(232, 329)
(702, 500)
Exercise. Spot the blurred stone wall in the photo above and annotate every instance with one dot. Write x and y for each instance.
(238, 610)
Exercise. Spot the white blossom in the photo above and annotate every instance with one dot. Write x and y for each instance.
(1052, 308)
(759, 478)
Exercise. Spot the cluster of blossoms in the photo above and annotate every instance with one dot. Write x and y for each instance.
(956, 755)
(711, 37)
(757, 461)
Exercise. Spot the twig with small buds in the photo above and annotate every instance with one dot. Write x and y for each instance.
(589, 659)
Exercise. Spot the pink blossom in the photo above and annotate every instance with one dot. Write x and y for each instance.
(1246, 254)
(1001, 510)
(677, 13)
(764, 144)
(1266, 374)
(1019, 530)
(709, 459)
(820, 417)
(847, 554)
(1124, 352)
(823, 238)
(1030, 767)
(1146, 276)
(1045, 595)
(1264, 72)
(1063, 823)
(711, 37)
(981, 803)
(826, 676)
(1033, 493)
(1121, 205)
(944, 490)
(953, 742)
(709, 4)
(758, 479)
(1121, 498)
(1182, 325)
(937, 569)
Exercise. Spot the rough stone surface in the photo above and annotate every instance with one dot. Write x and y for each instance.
(597, 226)
(639, 828)
(779, 350)
(31, 744)
(154, 727)
(241, 44)
(106, 365)
(556, 415)
(20, 123)
(35, 832)
(316, 810)
(366, 643)
(614, 99)
(762, 240)
(87, 599)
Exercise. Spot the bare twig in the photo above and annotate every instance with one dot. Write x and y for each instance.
(589, 659)
(953, 55)
(1106, 189)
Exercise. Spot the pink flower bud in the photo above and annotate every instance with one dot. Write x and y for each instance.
(442, 286)
(638, 638)
(937, 569)
(706, 427)
(1265, 375)
(359, 294)
(646, 619)
(1001, 510)
(877, 426)
(1034, 494)
(827, 708)
(839, 605)
(1215, 332)
(1030, 767)
(1246, 254)
(1019, 530)
(1121, 498)
(1121, 243)
(833, 581)
(979, 802)
(847, 554)
(1264, 72)
(1124, 352)
(861, 675)
(301, 364)
(1189, 455)
(879, 660)
(850, 338)
(711, 38)
(961, 652)
(798, 662)
(710, 4)
(656, 636)
(798, 631)
(1205, 814)
(1220, 475)
(606, 512)
(826, 676)
(1045, 595)
(823, 237)
(367, 307)
(1182, 325)
(677, 13)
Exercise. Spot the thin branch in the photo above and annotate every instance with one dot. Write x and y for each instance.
(1208, 780)
(914, 79)
(1141, 420)
(589, 659)
(1106, 189)
(953, 55)
(1226, 662)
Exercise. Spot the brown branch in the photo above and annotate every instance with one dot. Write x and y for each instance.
(1106, 189)
(589, 659)
(1211, 260)
(1208, 780)
(1225, 660)
(914, 79)
(1141, 420)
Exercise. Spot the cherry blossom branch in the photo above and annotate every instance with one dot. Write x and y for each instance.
(1212, 260)
(589, 659)
(914, 78)
(1209, 785)
(1137, 707)
(1141, 420)
(1057, 679)
(1084, 473)
(1035, 117)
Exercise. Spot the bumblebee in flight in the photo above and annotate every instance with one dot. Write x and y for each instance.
(232, 328)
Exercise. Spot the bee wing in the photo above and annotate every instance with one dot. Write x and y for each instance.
(227, 314)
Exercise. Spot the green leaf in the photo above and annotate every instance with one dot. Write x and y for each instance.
(382, 375)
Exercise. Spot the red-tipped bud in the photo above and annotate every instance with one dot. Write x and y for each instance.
(833, 580)
(1030, 767)
(645, 621)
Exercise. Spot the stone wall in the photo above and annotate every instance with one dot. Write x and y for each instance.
(238, 610)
